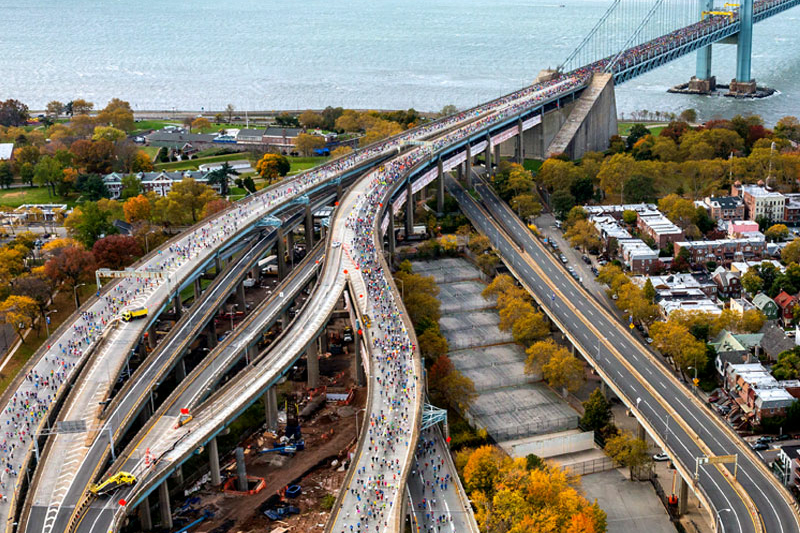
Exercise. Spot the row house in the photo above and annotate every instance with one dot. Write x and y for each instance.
(637, 256)
(739, 229)
(757, 393)
(760, 202)
(722, 250)
(728, 283)
(658, 227)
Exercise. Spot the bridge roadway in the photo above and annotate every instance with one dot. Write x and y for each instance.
(675, 418)
(161, 430)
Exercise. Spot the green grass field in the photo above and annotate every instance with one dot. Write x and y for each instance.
(30, 195)
(194, 163)
(147, 125)
(654, 127)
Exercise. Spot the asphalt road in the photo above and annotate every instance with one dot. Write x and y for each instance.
(434, 500)
(161, 430)
(687, 427)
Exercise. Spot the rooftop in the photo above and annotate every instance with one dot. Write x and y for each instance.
(758, 191)
(724, 202)
(6, 150)
(660, 224)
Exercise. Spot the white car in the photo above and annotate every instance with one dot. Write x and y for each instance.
(336, 244)
(660, 457)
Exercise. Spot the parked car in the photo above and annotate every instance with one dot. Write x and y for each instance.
(586, 259)
(661, 457)
(760, 446)
(563, 258)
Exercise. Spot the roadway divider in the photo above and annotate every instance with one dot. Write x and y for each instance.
(746, 450)
(686, 473)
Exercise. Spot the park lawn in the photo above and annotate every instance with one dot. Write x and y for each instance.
(654, 127)
(192, 164)
(150, 150)
(532, 165)
(31, 195)
(147, 125)
(300, 164)
(64, 306)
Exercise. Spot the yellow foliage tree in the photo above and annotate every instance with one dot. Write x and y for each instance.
(18, 312)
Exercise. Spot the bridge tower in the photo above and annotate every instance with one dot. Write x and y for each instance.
(744, 84)
(703, 80)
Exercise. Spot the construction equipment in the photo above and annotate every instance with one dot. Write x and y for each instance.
(132, 314)
(285, 450)
(183, 418)
(120, 479)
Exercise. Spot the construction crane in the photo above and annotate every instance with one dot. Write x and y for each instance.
(120, 479)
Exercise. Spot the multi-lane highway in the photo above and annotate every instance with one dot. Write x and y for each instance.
(685, 427)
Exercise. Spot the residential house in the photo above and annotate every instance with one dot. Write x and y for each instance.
(760, 202)
(767, 306)
(787, 464)
(637, 256)
(786, 303)
(250, 136)
(282, 138)
(700, 305)
(658, 227)
(740, 305)
(6, 151)
(738, 229)
(735, 348)
(617, 210)
(722, 251)
(158, 182)
(728, 283)
(791, 212)
(724, 207)
(178, 140)
(41, 212)
(756, 392)
(744, 266)
(683, 286)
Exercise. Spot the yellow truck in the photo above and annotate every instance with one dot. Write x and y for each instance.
(116, 481)
(133, 314)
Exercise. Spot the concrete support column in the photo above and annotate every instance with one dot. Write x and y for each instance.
(339, 190)
(309, 227)
(520, 152)
(312, 362)
(145, 519)
(151, 337)
(390, 229)
(177, 304)
(358, 372)
(604, 389)
(178, 475)
(281, 255)
(180, 369)
(640, 433)
(211, 335)
(217, 264)
(323, 341)
(440, 187)
(251, 353)
(460, 172)
(290, 246)
(683, 497)
(744, 44)
(213, 459)
(163, 506)
(409, 210)
(241, 470)
(198, 289)
(468, 167)
(240, 299)
(487, 154)
(496, 155)
(271, 407)
(142, 348)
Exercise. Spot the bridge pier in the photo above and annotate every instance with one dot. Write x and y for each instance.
(211, 335)
(640, 434)
(163, 505)
(440, 186)
(358, 374)
(281, 255)
(487, 154)
(409, 210)
(178, 475)
(309, 228)
(271, 408)
(213, 459)
(177, 304)
(683, 497)
(519, 149)
(145, 518)
(198, 289)
(241, 470)
(240, 299)
(312, 364)
(217, 264)
(496, 159)
(390, 229)
(151, 336)
(468, 167)
(180, 369)
(744, 84)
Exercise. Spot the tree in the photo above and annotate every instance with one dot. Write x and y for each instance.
(636, 132)
(340, 151)
(116, 251)
(13, 113)
(310, 120)
(215, 206)
(137, 209)
(526, 206)
(35, 287)
(200, 124)
(630, 217)
(512, 310)
(6, 175)
(564, 371)
(108, 133)
(80, 106)
(221, 177)
(628, 451)
(679, 210)
(791, 252)
(520, 180)
(93, 156)
(449, 387)
(273, 166)
(638, 189)
(561, 202)
(131, 187)
(378, 130)
(788, 365)
(18, 312)
(499, 285)
(479, 244)
(432, 345)
(71, 266)
(26, 154)
(777, 232)
(530, 327)
(752, 282)
(540, 353)
(117, 113)
(583, 234)
(482, 469)
(688, 115)
(649, 291)
(48, 173)
(54, 108)
(674, 340)
(448, 243)
(614, 173)
(88, 223)
(229, 111)
(92, 187)
(11, 263)
(306, 143)
(596, 411)
(190, 197)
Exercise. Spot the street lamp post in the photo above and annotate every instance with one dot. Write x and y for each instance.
(75, 294)
(694, 381)
(720, 525)
(47, 320)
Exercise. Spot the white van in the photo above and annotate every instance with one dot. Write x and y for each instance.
(269, 265)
